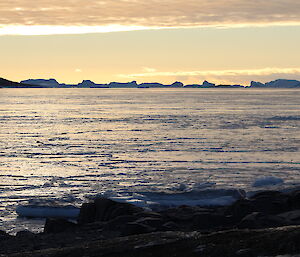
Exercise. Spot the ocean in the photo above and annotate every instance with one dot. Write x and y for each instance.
(150, 147)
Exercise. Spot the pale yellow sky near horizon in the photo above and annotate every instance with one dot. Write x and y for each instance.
(233, 41)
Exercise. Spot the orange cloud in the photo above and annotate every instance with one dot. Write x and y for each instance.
(149, 13)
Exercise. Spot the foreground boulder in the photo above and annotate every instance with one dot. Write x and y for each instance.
(292, 217)
(103, 209)
(112, 219)
(4, 236)
(268, 202)
(258, 220)
(294, 199)
(58, 225)
(230, 243)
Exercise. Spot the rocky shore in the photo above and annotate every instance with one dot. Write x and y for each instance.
(267, 224)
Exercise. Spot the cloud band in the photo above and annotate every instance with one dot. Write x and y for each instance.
(148, 13)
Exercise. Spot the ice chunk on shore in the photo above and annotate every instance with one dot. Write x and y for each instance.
(202, 185)
(47, 211)
(207, 197)
(267, 181)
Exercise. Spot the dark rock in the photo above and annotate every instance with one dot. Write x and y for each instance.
(25, 233)
(267, 195)
(240, 209)
(152, 222)
(149, 214)
(230, 243)
(291, 217)
(134, 228)
(294, 199)
(268, 202)
(259, 220)
(116, 217)
(110, 228)
(87, 213)
(97, 225)
(119, 209)
(209, 221)
(199, 249)
(189, 218)
(183, 213)
(117, 223)
(103, 209)
(4, 235)
(245, 252)
(271, 202)
(58, 225)
(170, 226)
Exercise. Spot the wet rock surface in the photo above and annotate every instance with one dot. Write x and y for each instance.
(266, 224)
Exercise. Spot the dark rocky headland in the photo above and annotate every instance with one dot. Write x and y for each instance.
(266, 224)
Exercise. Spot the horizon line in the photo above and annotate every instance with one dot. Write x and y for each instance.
(155, 82)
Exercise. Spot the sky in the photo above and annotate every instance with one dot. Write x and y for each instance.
(232, 41)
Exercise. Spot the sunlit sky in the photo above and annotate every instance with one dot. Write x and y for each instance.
(232, 41)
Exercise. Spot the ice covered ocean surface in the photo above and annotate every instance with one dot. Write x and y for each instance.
(60, 146)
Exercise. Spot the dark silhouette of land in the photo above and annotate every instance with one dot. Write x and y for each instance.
(52, 83)
(4, 83)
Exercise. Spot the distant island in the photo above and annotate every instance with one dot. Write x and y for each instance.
(52, 83)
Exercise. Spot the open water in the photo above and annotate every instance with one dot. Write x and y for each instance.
(61, 146)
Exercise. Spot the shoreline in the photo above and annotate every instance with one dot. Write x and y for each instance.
(113, 227)
(31, 216)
